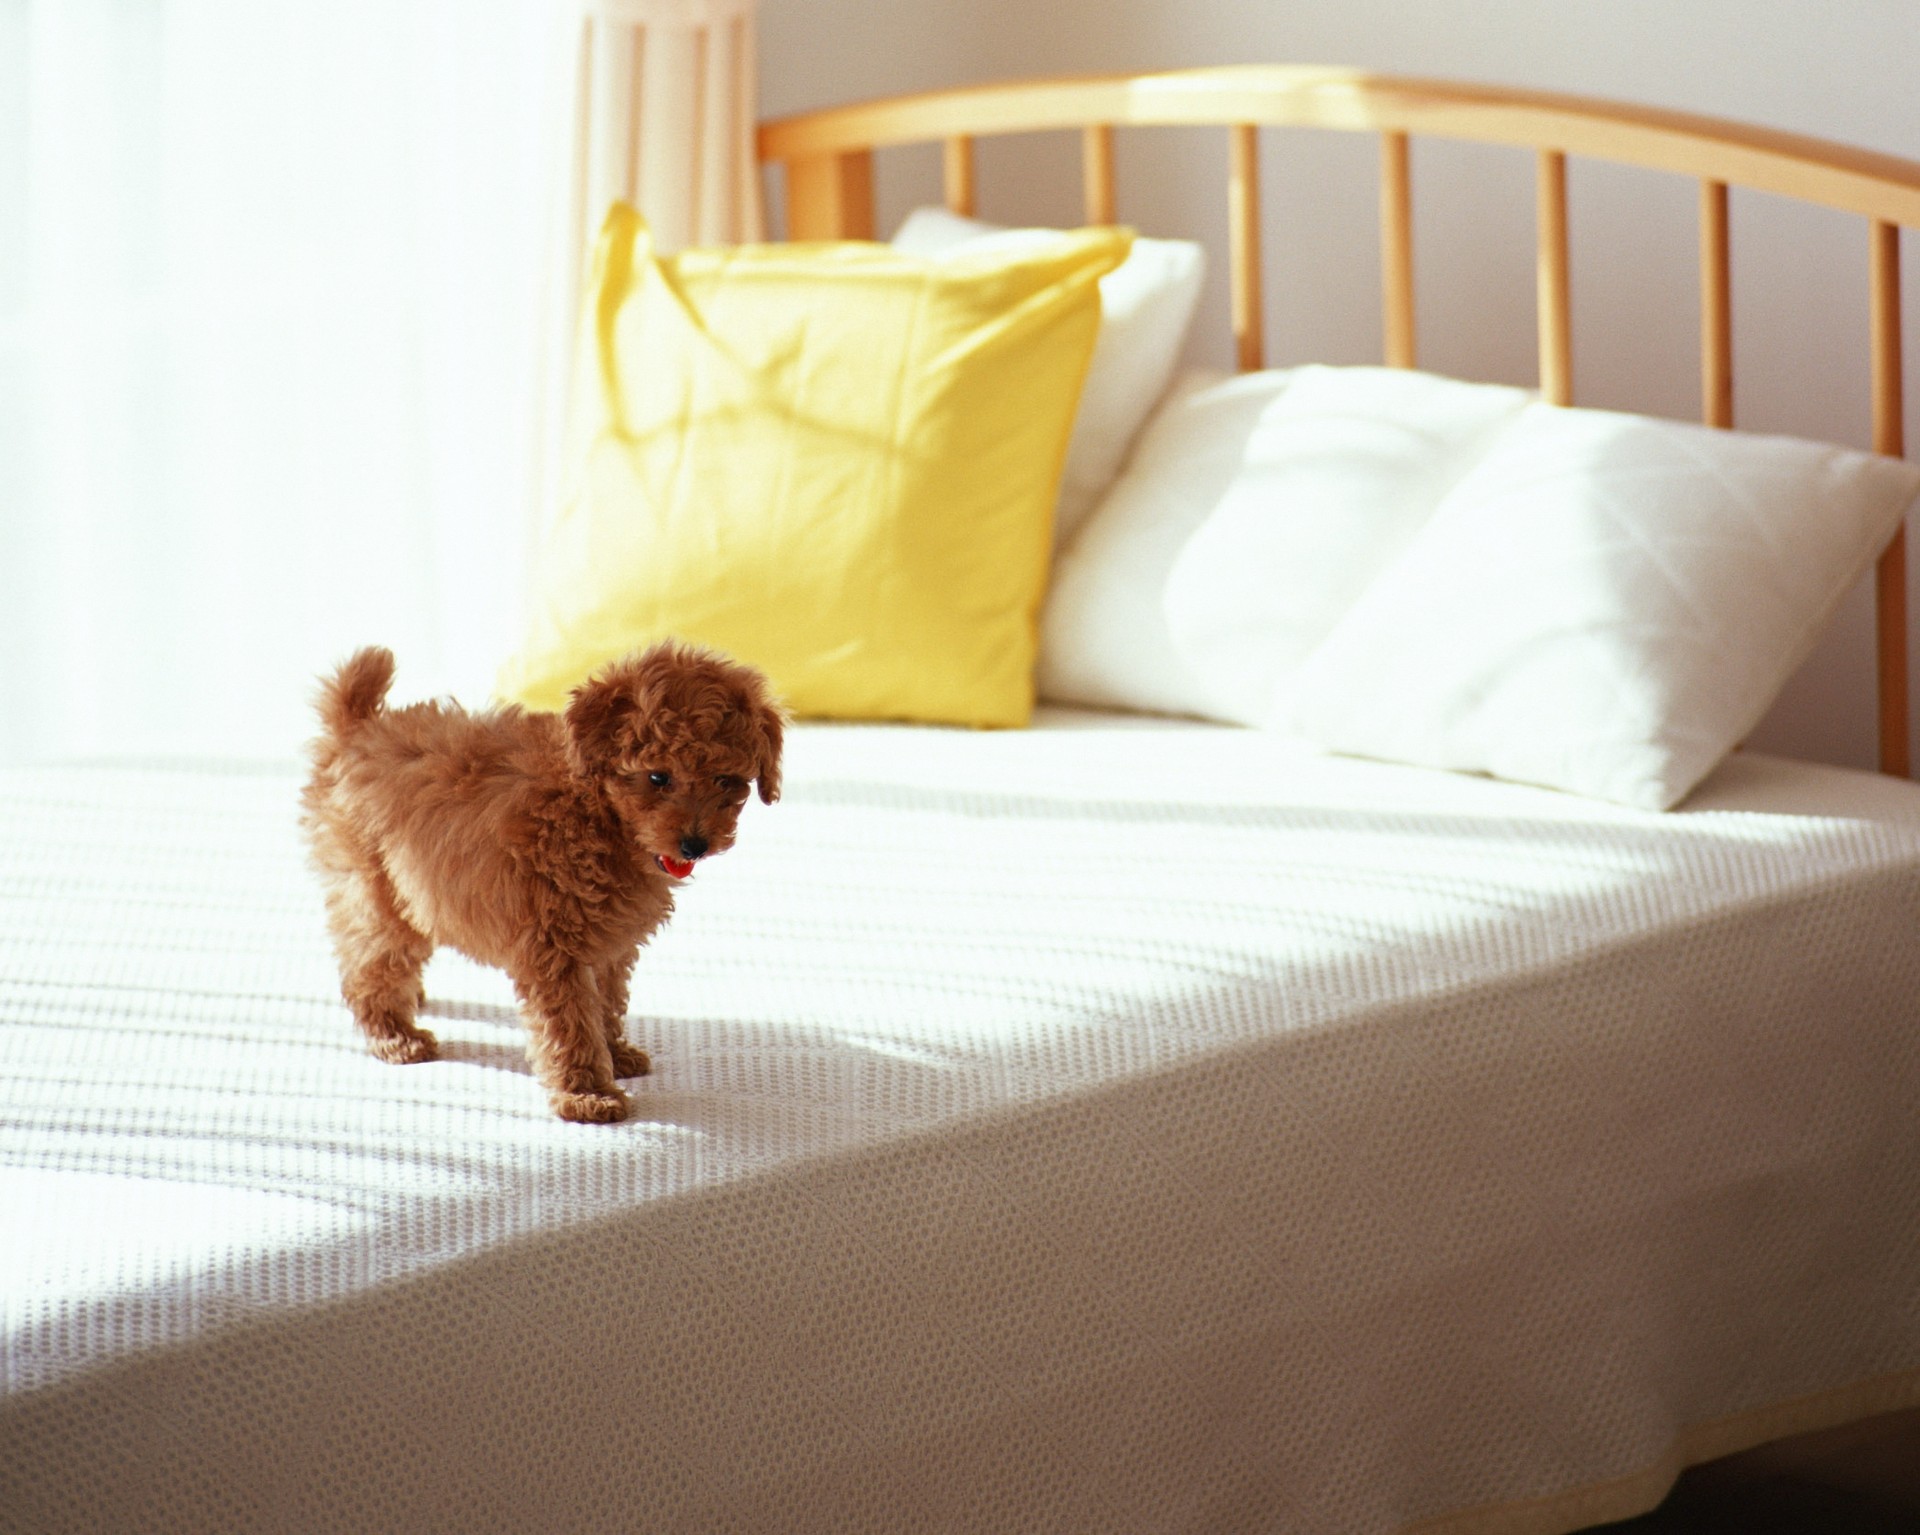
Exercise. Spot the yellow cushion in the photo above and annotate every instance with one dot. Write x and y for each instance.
(833, 461)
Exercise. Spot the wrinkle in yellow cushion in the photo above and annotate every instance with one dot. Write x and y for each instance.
(832, 461)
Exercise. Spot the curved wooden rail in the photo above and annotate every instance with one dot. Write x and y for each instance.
(1880, 186)
(828, 156)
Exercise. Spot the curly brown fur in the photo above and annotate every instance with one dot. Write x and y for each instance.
(535, 842)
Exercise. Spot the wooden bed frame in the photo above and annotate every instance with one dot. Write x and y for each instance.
(828, 160)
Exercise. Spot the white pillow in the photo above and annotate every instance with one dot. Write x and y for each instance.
(1255, 511)
(1146, 306)
(1339, 473)
(1605, 604)
(1103, 630)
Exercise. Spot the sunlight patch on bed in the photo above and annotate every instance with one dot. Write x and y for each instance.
(68, 1239)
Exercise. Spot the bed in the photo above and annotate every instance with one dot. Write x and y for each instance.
(1127, 1122)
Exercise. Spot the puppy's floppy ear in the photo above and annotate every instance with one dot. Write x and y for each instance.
(769, 732)
(598, 708)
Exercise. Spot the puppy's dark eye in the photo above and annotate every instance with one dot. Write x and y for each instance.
(727, 781)
(660, 780)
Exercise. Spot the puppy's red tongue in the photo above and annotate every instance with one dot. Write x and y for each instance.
(679, 868)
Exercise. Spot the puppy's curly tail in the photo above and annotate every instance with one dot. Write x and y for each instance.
(357, 691)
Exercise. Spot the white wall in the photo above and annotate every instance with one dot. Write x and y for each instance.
(1847, 72)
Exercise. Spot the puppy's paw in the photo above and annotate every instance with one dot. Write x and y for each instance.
(630, 1060)
(591, 1108)
(408, 1049)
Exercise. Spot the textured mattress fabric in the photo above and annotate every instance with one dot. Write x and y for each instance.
(1118, 1125)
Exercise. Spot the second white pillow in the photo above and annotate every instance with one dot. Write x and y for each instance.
(1338, 474)
(1255, 511)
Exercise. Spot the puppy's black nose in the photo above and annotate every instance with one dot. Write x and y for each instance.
(692, 847)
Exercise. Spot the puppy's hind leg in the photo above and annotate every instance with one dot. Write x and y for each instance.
(628, 1060)
(381, 957)
(568, 1046)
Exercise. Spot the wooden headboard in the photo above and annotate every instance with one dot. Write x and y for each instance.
(828, 160)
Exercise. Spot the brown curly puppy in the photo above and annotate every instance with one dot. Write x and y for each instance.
(546, 844)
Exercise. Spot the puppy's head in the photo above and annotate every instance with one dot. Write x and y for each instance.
(673, 736)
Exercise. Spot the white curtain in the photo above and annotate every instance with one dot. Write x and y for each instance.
(270, 336)
(283, 286)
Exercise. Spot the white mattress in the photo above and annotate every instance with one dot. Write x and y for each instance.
(1120, 1124)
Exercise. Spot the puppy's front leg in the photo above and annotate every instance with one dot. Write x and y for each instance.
(628, 1060)
(569, 1044)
